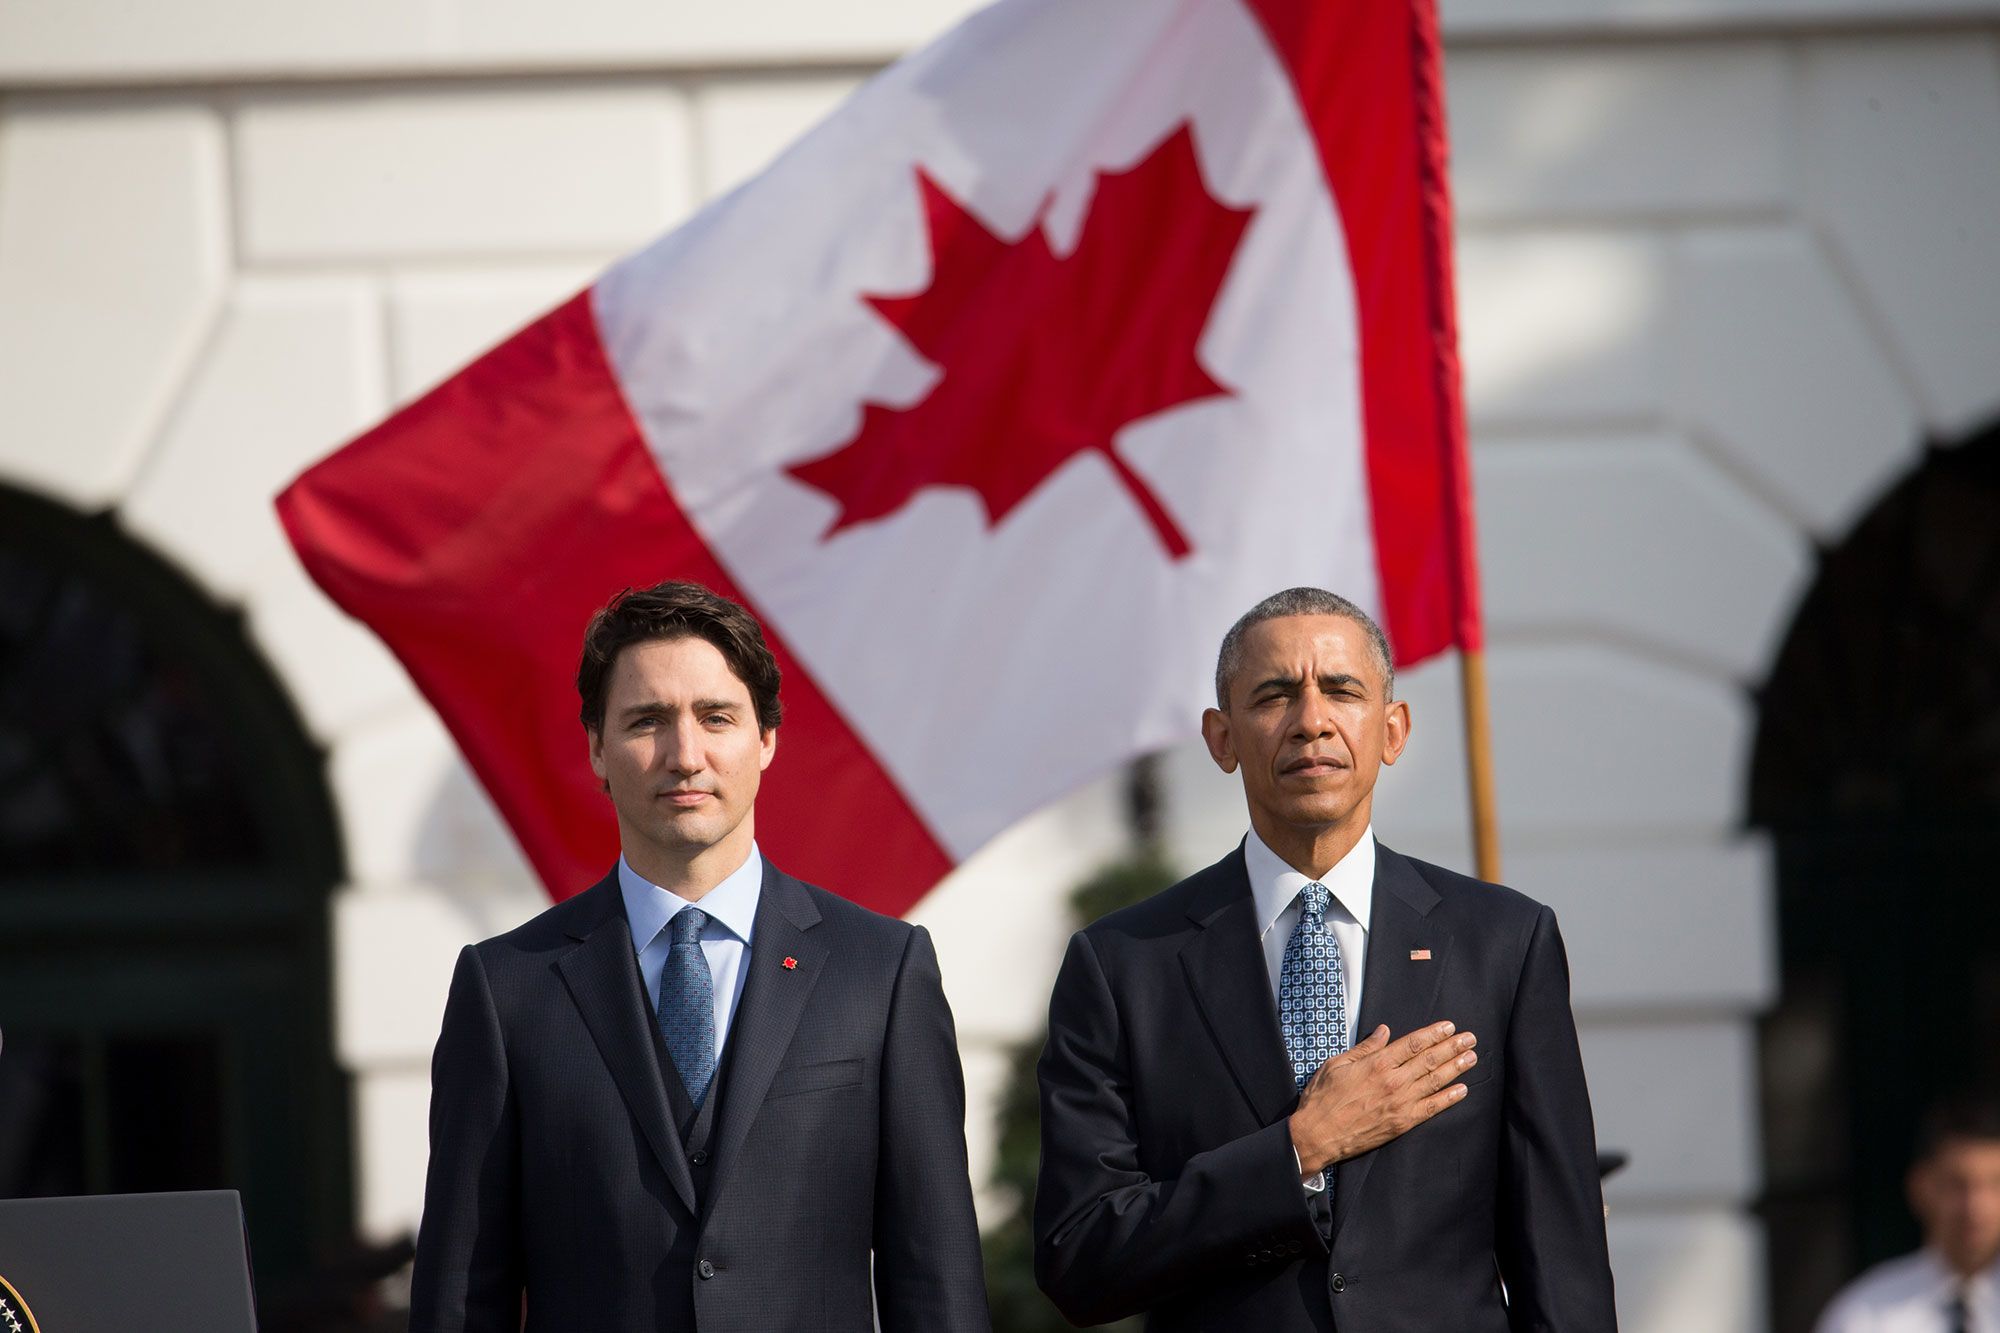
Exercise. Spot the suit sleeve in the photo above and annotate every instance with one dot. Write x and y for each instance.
(928, 1273)
(1551, 1206)
(468, 1273)
(1110, 1240)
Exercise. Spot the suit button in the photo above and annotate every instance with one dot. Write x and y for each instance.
(698, 1157)
(706, 1269)
(1337, 1282)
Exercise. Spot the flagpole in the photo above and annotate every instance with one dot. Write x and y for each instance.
(1432, 164)
(1479, 764)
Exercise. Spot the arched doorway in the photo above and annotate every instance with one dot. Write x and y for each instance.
(1877, 773)
(167, 848)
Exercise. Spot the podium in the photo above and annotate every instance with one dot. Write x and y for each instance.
(120, 1263)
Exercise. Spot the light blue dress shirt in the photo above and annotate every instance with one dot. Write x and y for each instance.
(725, 941)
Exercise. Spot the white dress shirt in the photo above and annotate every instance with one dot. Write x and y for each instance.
(725, 941)
(1276, 886)
(1275, 889)
(1910, 1295)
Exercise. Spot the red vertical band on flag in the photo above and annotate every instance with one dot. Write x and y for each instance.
(476, 532)
(1367, 75)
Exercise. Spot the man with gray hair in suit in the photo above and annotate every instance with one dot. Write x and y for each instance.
(1318, 1084)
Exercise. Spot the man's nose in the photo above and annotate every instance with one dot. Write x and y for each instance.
(1315, 714)
(684, 754)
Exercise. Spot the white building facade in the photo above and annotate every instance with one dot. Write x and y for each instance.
(1724, 268)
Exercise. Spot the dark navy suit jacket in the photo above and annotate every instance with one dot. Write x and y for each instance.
(1168, 1182)
(562, 1182)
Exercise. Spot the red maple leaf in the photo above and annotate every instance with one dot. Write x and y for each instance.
(1045, 358)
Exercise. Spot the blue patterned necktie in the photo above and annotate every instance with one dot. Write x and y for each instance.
(687, 1003)
(1312, 991)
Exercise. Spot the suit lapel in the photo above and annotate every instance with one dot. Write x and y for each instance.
(1226, 970)
(767, 1015)
(1396, 989)
(602, 974)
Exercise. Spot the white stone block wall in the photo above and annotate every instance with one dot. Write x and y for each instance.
(494, 171)
(114, 216)
(1715, 290)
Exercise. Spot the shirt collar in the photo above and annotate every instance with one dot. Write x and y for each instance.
(1274, 884)
(731, 904)
(1946, 1278)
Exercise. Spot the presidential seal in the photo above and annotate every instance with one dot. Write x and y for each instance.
(15, 1316)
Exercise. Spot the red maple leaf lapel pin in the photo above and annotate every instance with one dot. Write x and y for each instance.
(790, 964)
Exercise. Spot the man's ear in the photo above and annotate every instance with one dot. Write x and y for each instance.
(596, 739)
(767, 749)
(1215, 731)
(1396, 731)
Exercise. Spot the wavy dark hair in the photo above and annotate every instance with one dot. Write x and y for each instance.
(1969, 1115)
(676, 610)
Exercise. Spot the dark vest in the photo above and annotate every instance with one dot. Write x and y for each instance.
(697, 1131)
(696, 1124)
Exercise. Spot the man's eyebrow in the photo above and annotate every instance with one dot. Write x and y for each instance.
(1338, 680)
(645, 706)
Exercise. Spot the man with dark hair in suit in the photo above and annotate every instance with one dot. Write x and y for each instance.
(701, 1095)
(1215, 1152)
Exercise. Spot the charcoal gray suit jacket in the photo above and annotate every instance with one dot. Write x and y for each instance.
(1168, 1183)
(561, 1179)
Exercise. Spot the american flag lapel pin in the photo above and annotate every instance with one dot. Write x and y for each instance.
(1420, 955)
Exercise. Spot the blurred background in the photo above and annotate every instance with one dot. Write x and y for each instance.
(1729, 278)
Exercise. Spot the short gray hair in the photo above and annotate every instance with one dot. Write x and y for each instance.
(1299, 602)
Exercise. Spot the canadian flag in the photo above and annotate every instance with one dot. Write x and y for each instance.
(996, 398)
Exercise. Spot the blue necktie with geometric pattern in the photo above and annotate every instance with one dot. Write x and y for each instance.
(1312, 992)
(687, 1003)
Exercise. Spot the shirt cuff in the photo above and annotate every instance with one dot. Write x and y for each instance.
(1317, 1185)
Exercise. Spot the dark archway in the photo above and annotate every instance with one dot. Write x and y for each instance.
(167, 851)
(1877, 773)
